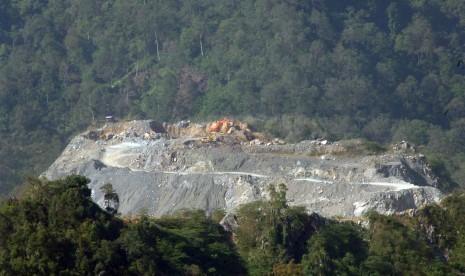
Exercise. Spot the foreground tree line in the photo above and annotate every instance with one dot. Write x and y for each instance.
(53, 227)
(382, 70)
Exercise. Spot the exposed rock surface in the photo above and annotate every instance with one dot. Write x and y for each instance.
(163, 168)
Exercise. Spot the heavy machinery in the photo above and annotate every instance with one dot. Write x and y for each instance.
(209, 138)
(222, 125)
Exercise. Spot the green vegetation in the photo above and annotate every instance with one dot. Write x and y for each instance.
(338, 249)
(380, 70)
(375, 147)
(54, 228)
(277, 239)
(271, 232)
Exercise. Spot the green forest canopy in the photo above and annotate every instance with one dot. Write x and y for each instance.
(382, 70)
(54, 228)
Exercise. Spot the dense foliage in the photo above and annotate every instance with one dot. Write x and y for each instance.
(271, 232)
(385, 70)
(54, 228)
(430, 241)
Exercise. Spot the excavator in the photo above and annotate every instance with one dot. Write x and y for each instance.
(221, 125)
(209, 138)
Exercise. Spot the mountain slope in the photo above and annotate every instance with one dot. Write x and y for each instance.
(172, 169)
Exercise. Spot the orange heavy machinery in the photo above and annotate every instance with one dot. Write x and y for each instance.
(221, 125)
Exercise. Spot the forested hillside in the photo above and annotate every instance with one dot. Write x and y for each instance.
(383, 70)
(54, 228)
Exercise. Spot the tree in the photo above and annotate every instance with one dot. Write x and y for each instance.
(356, 30)
(417, 39)
(55, 228)
(407, 91)
(289, 269)
(393, 19)
(271, 232)
(414, 131)
(110, 197)
(322, 25)
(394, 248)
(337, 249)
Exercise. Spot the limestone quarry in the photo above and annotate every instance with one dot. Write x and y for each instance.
(162, 168)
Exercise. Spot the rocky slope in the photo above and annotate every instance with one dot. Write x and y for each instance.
(163, 168)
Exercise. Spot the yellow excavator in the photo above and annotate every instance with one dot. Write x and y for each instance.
(209, 138)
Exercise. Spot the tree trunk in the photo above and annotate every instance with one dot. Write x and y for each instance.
(156, 42)
(201, 46)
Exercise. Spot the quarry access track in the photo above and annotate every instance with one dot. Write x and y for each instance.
(119, 151)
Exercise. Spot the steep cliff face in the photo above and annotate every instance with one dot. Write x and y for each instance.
(163, 168)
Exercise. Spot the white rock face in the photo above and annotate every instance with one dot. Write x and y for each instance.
(162, 175)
